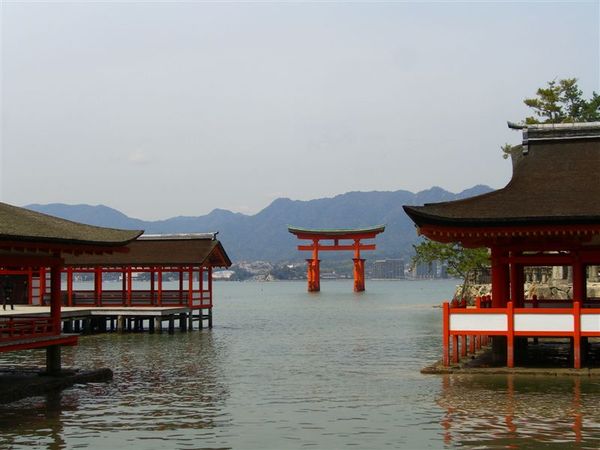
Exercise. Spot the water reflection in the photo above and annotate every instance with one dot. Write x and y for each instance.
(161, 389)
(520, 412)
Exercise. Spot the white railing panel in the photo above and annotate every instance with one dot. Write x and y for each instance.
(544, 322)
(478, 322)
(590, 322)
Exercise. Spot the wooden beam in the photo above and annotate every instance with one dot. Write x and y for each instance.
(336, 247)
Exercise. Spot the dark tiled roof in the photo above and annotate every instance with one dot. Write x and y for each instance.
(160, 251)
(20, 224)
(555, 181)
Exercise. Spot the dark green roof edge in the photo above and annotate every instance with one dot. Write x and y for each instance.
(23, 225)
(336, 231)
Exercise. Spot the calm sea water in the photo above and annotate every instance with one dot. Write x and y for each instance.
(284, 369)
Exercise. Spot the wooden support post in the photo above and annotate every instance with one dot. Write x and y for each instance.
(455, 352)
(152, 282)
(68, 326)
(191, 320)
(69, 286)
(53, 360)
(463, 345)
(446, 334)
(55, 300)
(180, 285)
(201, 282)
(76, 326)
(359, 274)
(129, 285)
(210, 285)
(120, 324)
(514, 284)
(171, 324)
(576, 334)
(510, 338)
(87, 325)
(98, 286)
(190, 286)
(472, 344)
(30, 286)
(151, 326)
(500, 279)
(124, 287)
(210, 318)
(160, 286)
(579, 280)
(158, 324)
(182, 322)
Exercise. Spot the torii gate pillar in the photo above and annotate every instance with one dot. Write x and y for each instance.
(356, 235)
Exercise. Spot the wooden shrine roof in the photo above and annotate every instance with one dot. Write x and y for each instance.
(555, 181)
(21, 225)
(339, 233)
(161, 250)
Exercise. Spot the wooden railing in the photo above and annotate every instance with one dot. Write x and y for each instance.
(199, 299)
(12, 329)
(462, 324)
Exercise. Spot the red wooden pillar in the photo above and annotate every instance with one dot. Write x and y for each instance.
(30, 286)
(359, 274)
(190, 286)
(455, 353)
(463, 345)
(201, 280)
(313, 269)
(576, 334)
(152, 283)
(309, 274)
(500, 278)
(42, 285)
(129, 285)
(55, 300)
(123, 286)
(446, 334)
(98, 285)
(210, 285)
(579, 280)
(160, 280)
(180, 285)
(510, 338)
(517, 293)
(69, 286)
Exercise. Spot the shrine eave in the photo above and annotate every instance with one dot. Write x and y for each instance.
(338, 233)
(30, 228)
(421, 217)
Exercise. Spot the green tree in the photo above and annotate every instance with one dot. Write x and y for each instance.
(462, 262)
(559, 102)
(562, 102)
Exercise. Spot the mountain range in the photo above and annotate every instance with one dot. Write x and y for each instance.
(264, 236)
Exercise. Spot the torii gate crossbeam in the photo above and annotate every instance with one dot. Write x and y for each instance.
(337, 235)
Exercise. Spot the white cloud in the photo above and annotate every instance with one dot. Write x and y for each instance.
(138, 157)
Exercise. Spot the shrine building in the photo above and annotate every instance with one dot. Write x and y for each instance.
(30, 241)
(547, 215)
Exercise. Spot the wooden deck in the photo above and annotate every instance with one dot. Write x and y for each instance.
(89, 319)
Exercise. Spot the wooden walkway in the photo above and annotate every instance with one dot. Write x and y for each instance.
(94, 319)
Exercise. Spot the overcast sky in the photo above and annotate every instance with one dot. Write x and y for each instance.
(165, 109)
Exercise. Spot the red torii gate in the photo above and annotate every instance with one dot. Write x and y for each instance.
(336, 235)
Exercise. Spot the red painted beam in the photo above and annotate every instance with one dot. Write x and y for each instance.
(337, 247)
